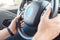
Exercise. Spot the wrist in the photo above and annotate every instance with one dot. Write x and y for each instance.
(13, 30)
(6, 31)
(40, 36)
(10, 32)
(5, 34)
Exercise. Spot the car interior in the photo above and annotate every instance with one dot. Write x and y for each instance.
(9, 9)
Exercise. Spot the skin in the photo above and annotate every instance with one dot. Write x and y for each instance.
(48, 29)
(5, 34)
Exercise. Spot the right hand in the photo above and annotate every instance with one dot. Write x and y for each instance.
(48, 29)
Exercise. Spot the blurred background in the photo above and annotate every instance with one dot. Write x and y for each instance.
(10, 5)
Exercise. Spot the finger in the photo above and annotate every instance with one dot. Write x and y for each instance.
(47, 13)
(16, 18)
(22, 24)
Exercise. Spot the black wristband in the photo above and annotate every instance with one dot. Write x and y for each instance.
(10, 32)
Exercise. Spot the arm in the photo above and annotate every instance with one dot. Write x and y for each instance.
(39, 36)
(5, 34)
(48, 29)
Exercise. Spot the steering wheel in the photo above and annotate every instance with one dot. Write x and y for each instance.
(32, 15)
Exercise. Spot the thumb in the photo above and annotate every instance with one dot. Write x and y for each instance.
(47, 13)
(16, 18)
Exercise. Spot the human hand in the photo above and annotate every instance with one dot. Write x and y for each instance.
(48, 29)
(12, 26)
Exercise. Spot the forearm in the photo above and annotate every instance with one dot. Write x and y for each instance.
(4, 34)
(39, 36)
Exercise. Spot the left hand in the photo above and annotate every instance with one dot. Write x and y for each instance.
(13, 23)
(5, 34)
(12, 26)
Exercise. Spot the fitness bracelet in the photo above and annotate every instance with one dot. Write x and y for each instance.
(10, 32)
